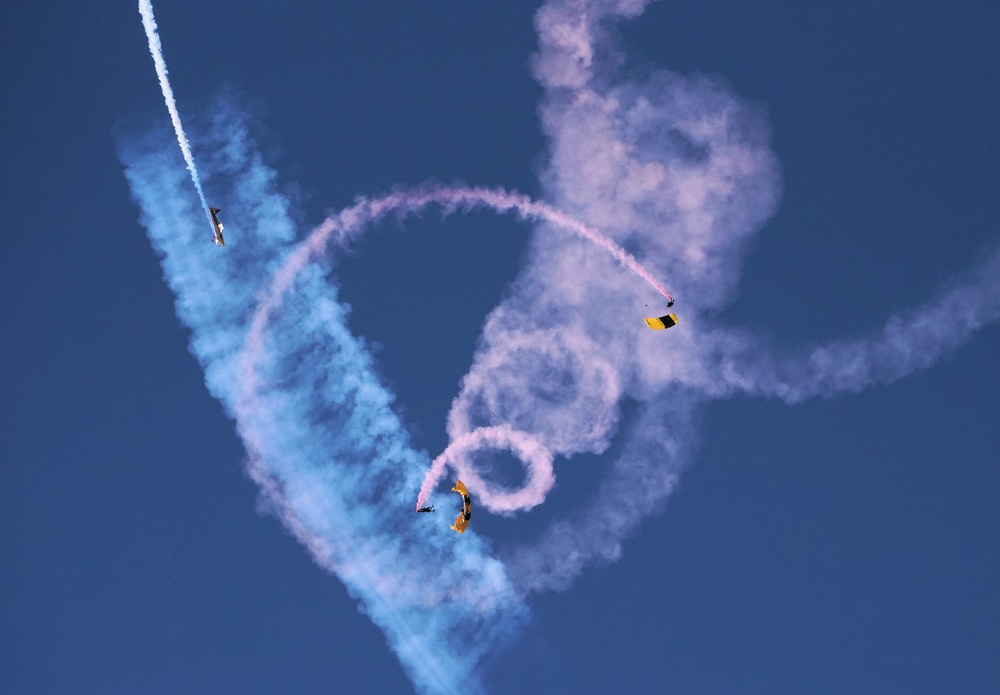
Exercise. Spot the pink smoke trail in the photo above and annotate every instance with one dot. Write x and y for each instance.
(537, 459)
(350, 223)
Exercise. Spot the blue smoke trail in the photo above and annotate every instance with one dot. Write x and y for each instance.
(333, 460)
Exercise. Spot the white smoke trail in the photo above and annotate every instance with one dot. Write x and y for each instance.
(156, 50)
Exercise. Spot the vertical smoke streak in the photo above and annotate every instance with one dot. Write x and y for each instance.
(333, 461)
(156, 50)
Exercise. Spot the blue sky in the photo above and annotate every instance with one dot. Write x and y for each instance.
(845, 543)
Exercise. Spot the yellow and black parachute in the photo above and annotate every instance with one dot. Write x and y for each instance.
(659, 323)
(462, 521)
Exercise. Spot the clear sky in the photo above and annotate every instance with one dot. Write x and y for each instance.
(793, 491)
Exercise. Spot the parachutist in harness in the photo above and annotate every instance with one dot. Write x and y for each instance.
(659, 323)
(426, 509)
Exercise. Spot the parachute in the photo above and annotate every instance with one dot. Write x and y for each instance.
(661, 322)
(462, 521)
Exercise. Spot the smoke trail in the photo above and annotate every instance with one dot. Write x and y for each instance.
(735, 362)
(156, 50)
(349, 223)
(681, 170)
(677, 169)
(333, 461)
(536, 457)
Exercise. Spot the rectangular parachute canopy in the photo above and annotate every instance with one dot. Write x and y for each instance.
(662, 322)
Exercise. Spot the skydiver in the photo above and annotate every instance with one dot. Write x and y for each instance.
(426, 509)
(217, 227)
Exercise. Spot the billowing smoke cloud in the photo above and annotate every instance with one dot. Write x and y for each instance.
(675, 169)
(679, 170)
(332, 459)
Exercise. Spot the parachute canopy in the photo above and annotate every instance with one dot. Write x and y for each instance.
(462, 521)
(662, 322)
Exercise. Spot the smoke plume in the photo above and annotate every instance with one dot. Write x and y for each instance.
(676, 169)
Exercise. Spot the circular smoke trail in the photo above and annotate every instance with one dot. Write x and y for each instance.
(350, 222)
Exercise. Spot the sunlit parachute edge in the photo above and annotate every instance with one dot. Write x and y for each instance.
(462, 520)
